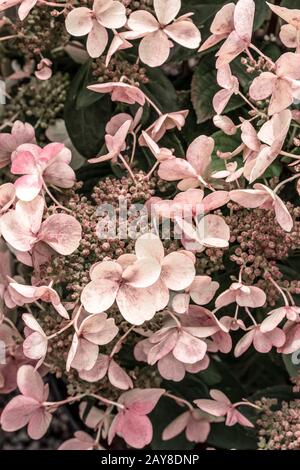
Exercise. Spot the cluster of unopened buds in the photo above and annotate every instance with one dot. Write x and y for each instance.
(150, 281)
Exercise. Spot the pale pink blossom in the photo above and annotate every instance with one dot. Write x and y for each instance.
(262, 341)
(94, 331)
(120, 42)
(28, 408)
(23, 228)
(44, 70)
(201, 291)
(139, 284)
(106, 365)
(115, 144)
(276, 316)
(5, 274)
(244, 296)
(195, 424)
(289, 33)
(263, 197)
(158, 34)
(193, 171)
(220, 405)
(20, 134)
(24, 8)
(232, 172)
(272, 135)
(239, 39)
(282, 84)
(39, 166)
(164, 123)
(22, 294)
(120, 91)
(221, 27)
(132, 423)
(105, 14)
(230, 85)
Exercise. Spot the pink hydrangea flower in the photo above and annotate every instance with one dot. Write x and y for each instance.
(23, 228)
(230, 85)
(164, 123)
(192, 171)
(244, 296)
(272, 135)
(276, 316)
(28, 408)
(39, 166)
(14, 358)
(282, 84)
(105, 14)
(44, 69)
(159, 33)
(262, 341)
(201, 291)
(221, 27)
(232, 172)
(196, 425)
(115, 144)
(132, 423)
(220, 405)
(20, 134)
(263, 197)
(94, 331)
(240, 38)
(289, 33)
(292, 334)
(120, 91)
(160, 153)
(139, 284)
(22, 295)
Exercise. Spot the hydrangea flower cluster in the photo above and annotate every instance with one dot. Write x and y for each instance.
(132, 316)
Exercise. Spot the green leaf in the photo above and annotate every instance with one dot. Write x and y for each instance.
(289, 361)
(86, 118)
(204, 87)
(224, 143)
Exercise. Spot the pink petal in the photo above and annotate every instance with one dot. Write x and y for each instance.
(136, 430)
(14, 232)
(30, 383)
(177, 271)
(184, 33)
(143, 273)
(135, 305)
(25, 8)
(35, 346)
(7, 196)
(250, 198)
(154, 49)
(282, 97)
(221, 99)
(98, 371)
(97, 40)
(288, 35)
(118, 377)
(231, 48)
(163, 348)
(197, 429)
(243, 18)
(98, 296)
(223, 20)
(142, 22)
(28, 187)
(244, 343)
(113, 17)
(199, 153)
(176, 427)
(189, 349)
(166, 10)
(171, 369)
(262, 86)
(39, 423)
(142, 400)
(203, 289)
(173, 170)
(79, 21)
(273, 320)
(256, 297)
(98, 329)
(85, 356)
(23, 163)
(149, 245)
(212, 407)
(283, 216)
(17, 413)
(62, 232)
